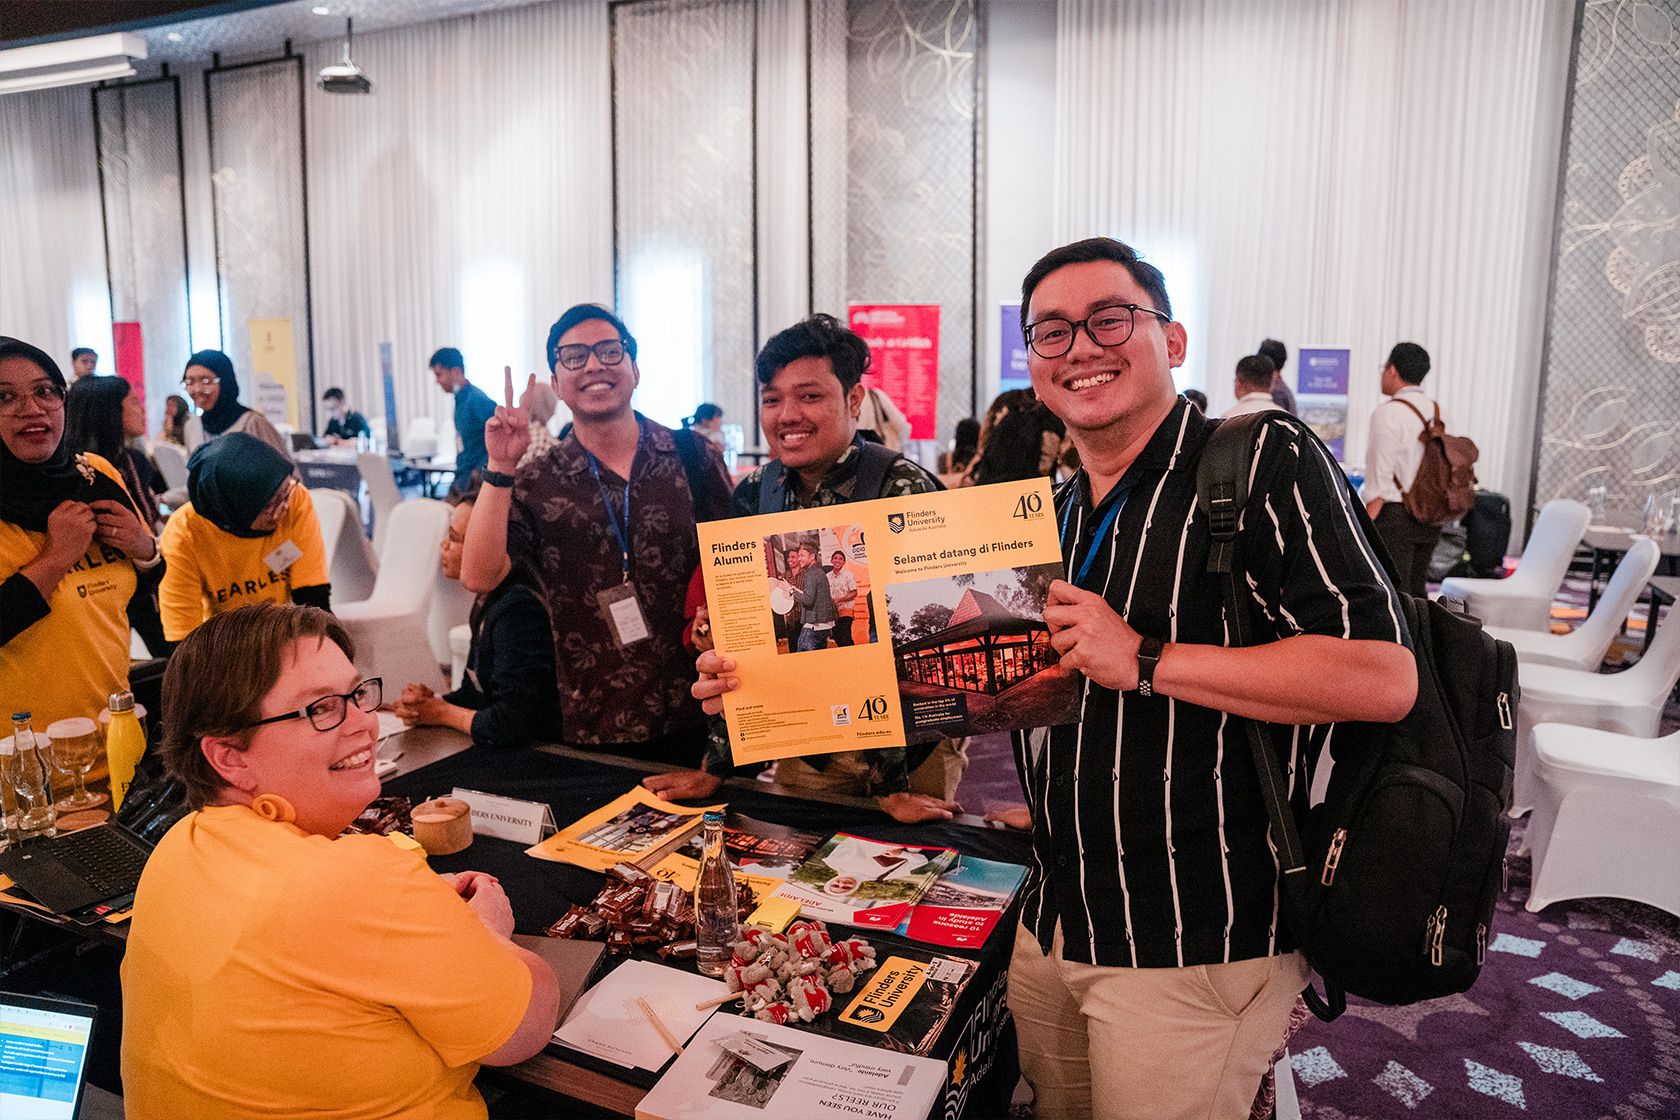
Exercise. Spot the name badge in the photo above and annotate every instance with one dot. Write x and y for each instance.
(623, 613)
(525, 822)
(283, 557)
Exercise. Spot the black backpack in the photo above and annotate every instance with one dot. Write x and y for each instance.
(874, 460)
(1391, 897)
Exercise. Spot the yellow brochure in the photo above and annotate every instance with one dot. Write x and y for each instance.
(627, 829)
(881, 623)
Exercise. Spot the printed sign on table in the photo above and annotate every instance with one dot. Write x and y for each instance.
(1321, 393)
(904, 358)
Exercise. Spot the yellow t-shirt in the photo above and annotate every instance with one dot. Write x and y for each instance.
(210, 571)
(69, 662)
(271, 973)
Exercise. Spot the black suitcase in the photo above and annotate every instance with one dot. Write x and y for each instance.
(1487, 530)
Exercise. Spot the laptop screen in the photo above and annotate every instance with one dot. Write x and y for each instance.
(43, 1053)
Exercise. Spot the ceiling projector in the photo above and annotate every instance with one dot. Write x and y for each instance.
(346, 76)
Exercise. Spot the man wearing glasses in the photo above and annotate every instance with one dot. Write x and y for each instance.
(1151, 975)
(473, 407)
(605, 519)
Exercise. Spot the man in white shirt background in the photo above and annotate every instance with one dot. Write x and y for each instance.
(1392, 456)
(1254, 386)
(843, 589)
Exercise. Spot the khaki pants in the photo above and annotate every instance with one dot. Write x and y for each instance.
(1147, 1043)
(848, 773)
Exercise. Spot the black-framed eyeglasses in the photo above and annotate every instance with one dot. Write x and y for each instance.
(199, 382)
(1111, 326)
(576, 356)
(330, 711)
(47, 396)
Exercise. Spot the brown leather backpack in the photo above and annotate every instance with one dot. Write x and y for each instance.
(1445, 486)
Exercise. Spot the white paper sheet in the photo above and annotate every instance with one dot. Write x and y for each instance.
(607, 1023)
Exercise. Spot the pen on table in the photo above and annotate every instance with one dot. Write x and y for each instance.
(659, 1025)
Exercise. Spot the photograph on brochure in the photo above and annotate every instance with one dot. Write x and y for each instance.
(947, 634)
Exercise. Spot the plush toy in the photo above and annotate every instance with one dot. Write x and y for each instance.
(777, 1013)
(809, 998)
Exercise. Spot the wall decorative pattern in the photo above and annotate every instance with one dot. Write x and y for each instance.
(256, 169)
(1611, 413)
(138, 126)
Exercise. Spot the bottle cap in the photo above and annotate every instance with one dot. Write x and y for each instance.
(19, 715)
(122, 701)
(713, 815)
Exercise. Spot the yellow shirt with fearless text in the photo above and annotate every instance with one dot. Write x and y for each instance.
(210, 572)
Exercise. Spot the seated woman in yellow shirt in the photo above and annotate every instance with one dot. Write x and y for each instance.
(277, 968)
(70, 540)
(248, 535)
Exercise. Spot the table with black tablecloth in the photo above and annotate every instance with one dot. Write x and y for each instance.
(977, 1041)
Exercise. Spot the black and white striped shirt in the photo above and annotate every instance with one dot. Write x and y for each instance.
(1150, 838)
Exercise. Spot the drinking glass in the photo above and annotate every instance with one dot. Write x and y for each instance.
(76, 746)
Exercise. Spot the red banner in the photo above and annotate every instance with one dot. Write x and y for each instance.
(904, 351)
(130, 359)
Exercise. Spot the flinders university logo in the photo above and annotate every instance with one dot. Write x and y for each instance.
(895, 522)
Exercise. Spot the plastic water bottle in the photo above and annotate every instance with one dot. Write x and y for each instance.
(716, 919)
(30, 782)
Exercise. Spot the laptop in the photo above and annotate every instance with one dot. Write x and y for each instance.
(43, 1056)
(78, 870)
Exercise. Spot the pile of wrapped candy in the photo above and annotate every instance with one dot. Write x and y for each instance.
(383, 816)
(636, 909)
(792, 975)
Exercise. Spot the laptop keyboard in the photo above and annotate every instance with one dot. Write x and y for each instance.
(101, 857)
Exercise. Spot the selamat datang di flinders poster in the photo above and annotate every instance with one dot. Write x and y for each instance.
(881, 623)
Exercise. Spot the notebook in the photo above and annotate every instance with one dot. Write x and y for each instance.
(43, 1056)
(72, 872)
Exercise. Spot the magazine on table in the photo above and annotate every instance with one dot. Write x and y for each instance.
(965, 904)
(865, 882)
(764, 854)
(741, 1068)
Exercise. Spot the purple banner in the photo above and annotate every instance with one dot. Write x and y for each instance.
(1013, 349)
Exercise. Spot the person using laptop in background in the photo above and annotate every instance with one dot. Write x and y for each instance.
(275, 967)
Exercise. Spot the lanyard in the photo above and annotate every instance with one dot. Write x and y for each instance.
(1119, 499)
(622, 534)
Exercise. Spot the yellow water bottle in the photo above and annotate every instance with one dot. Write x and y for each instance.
(125, 742)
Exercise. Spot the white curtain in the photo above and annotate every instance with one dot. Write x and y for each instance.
(1337, 172)
(54, 291)
(467, 202)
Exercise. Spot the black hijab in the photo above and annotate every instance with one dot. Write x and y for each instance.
(227, 410)
(231, 479)
(29, 492)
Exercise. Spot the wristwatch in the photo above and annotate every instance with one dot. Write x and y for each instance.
(496, 478)
(1149, 656)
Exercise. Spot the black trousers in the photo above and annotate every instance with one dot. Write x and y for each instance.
(1410, 544)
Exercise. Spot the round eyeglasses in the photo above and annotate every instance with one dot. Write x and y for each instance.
(329, 711)
(199, 382)
(47, 397)
(576, 356)
(1111, 326)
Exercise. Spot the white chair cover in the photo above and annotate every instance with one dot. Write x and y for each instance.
(1606, 817)
(460, 646)
(171, 463)
(1524, 600)
(390, 626)
(1583, 647)
(1628, 703)
(375, 470)
(353, 565)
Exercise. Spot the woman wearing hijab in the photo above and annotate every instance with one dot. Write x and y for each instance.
(248, 534)
(101, 415)
(70, 540)
(214, 389)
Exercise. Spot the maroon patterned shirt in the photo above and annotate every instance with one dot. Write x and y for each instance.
(559, 529)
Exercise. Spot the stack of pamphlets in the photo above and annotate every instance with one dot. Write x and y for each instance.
(865, 882)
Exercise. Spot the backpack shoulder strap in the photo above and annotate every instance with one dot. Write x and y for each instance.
(1428, 427)
(874, 460)
(772, 487)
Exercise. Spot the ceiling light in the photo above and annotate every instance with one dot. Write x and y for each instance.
(321, 10)
(71, 62)
(174, 36)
